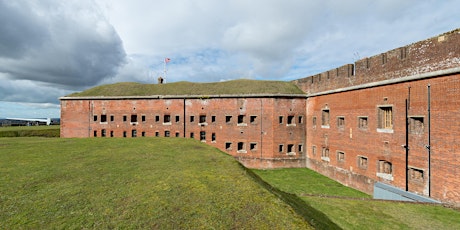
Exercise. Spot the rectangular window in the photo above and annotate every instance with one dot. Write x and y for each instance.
(362, 122)
(167, 133)
(325, 117)
(125, 134)
(290, 148)
(300, 119)
(95, 133)
(416, 125)
(112, 118)
(167, 118)
(177, 118)
(111, 133)
(340, 156)
(253, 146)
(213, 137)
(143, 134)
(325, 154)
(240, 119)
(192, 135)
(228, 119)
(213, 119)
(313, 150)
(133, 118)
(290, 120)
(192, 118)
(228, 145)
(300, 148)
(103, 133)
(202, 136)
(177, 134)
(95, 118)
(157, 118)
(362, 162)
(341, 122)
(202, 118)
(103, 118)
(240, 146)
(143, 118)
(125, 118)
(416, 174)
(252, 119)
(157, 134)
(134, 133)
(280, 119)
(385, 117)
(313, 122)
(280, 148)
(385, 167)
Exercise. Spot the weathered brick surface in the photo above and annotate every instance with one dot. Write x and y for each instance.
(255, 139)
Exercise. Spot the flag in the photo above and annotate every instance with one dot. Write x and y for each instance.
(167, 60)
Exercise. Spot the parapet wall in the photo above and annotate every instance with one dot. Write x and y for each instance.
(433, 54)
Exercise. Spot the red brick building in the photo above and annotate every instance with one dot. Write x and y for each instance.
(391, 118)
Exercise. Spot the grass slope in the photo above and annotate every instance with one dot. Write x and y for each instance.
(235, 87)
(158, 183)
(353, 209)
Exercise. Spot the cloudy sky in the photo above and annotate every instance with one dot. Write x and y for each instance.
(50, 48)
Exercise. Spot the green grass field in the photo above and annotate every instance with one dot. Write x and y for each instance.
(30, 131)
(176, 183)
(159, 183)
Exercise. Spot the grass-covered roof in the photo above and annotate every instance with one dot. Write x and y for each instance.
(235, 87)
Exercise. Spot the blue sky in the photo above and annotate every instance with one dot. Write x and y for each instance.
(51, 48)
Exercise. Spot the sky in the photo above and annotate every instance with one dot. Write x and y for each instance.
(51, 48)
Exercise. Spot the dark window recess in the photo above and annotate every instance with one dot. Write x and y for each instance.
(125, 118)
(240, 146)
(111, 133)
(228, 145)
(202, 118)
(167, 133)
(252, 119)
(228, 119)
(240, 119)
(157, 118)
(177, 134)
(202, 135)
(290, 148)
(192, 118)
(157, 134)
(252, 146)
(112, 118)
(134, 133)
(95, 118)
(143, 134)
(143, 118)
(167, 118)
(280, 148)
(213, 137)
(134, 118)
(325, 117)
(213, 119)
(280, 119)
(290, 120)
(300, 119)
(192, 135)
(104, 118)
(177, 118)
(124, 134)
(95, 133)
(103, 133)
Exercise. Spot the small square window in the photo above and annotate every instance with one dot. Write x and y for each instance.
(362, 162)
(177, 118)
(167, 118)
(103, 118)
(362, 122)
(416, 175)
(385, 167)
(280, 148)
(112, 118)
(241, 119)
(167, 133)
(252, 119)
(133, 118)
(213, 119)
(228, 145)
(280, 119)
(95, 118)
(133, 133)
(192, 135)
(240, 146)
(202, 118)
(157, 118)
(177, 134)
(125, 134)
(143, 133)
(341, 122)
(125, 118)
(290, 120)
(143, 118)
(340, 156)
(192, 118)
(290, 148)
(253, 146)
(416, 125)
(228, 119)
(157, 134)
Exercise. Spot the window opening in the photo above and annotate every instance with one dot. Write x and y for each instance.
(202, 136)
(134, 133)
(252, 146)
(228, 145)
(143, 118)
(341, 122)
(167, 133)
(192, 118)
(177, 118)
(213, 119)
(167, 118)
(362, 122)
(416, 125)
(340, 156)
(252, 119)
(385, 116)
(103, 133)
(325, 117)
(228, 119)
(125, 118)
(95, 118)
(280, 119)
(362, 162)
(133, 118)
(213, 137)
(290, 120)
(202, 118)
(103, 118)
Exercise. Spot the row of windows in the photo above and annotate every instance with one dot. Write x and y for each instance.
(241, 119)
(384, 168)
(384, 121)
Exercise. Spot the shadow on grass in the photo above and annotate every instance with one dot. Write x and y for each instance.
(314, 217)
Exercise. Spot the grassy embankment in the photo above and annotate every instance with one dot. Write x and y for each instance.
(30, 131)
(160, 183)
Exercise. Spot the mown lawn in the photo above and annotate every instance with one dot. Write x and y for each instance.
(351, 209)
(155, 183)
(30, 131)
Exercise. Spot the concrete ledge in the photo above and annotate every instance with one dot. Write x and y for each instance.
(387, 192)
